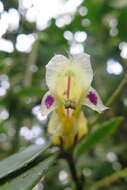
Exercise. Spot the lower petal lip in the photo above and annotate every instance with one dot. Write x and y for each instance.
(70, 104)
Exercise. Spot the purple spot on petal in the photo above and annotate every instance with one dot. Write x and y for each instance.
(49, 101)
(92, 97)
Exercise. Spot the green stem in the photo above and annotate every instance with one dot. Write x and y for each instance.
(71, 163)
(110, 179)
(30, 63)
(117, 91)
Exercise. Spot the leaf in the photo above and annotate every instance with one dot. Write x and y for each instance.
(97, 135)
(20, 159)
(28, 179)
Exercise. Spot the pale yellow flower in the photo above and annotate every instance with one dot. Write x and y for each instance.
(69, 83)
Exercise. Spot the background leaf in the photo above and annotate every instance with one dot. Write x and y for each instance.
(28, 179)
(98, 135)
(20, 159)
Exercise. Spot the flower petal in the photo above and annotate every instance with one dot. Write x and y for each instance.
(52, 70)
(69, 79)
(54, 125)
(60, 124)
(93, 101)
(48, 103)
(82, 125)
(58, 131)
(83, 62)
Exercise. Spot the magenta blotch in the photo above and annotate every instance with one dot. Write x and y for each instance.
(92, 97)
(49, 101)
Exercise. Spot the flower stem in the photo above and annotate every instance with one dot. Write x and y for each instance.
(71, 163)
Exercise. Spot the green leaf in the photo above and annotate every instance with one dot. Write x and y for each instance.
(97, 135)
(28, 179)
(20, 159)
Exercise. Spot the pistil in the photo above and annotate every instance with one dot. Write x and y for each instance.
(68, 86)
(68, 92)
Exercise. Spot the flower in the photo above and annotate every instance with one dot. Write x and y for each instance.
(69, 83)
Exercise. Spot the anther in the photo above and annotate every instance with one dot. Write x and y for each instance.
(69, 104)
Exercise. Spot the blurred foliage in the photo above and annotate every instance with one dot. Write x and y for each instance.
(97, 135)
(26, 75)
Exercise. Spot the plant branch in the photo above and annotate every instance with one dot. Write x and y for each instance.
(110, 179)
(31, 62)
(117, 91)
(113, 97)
